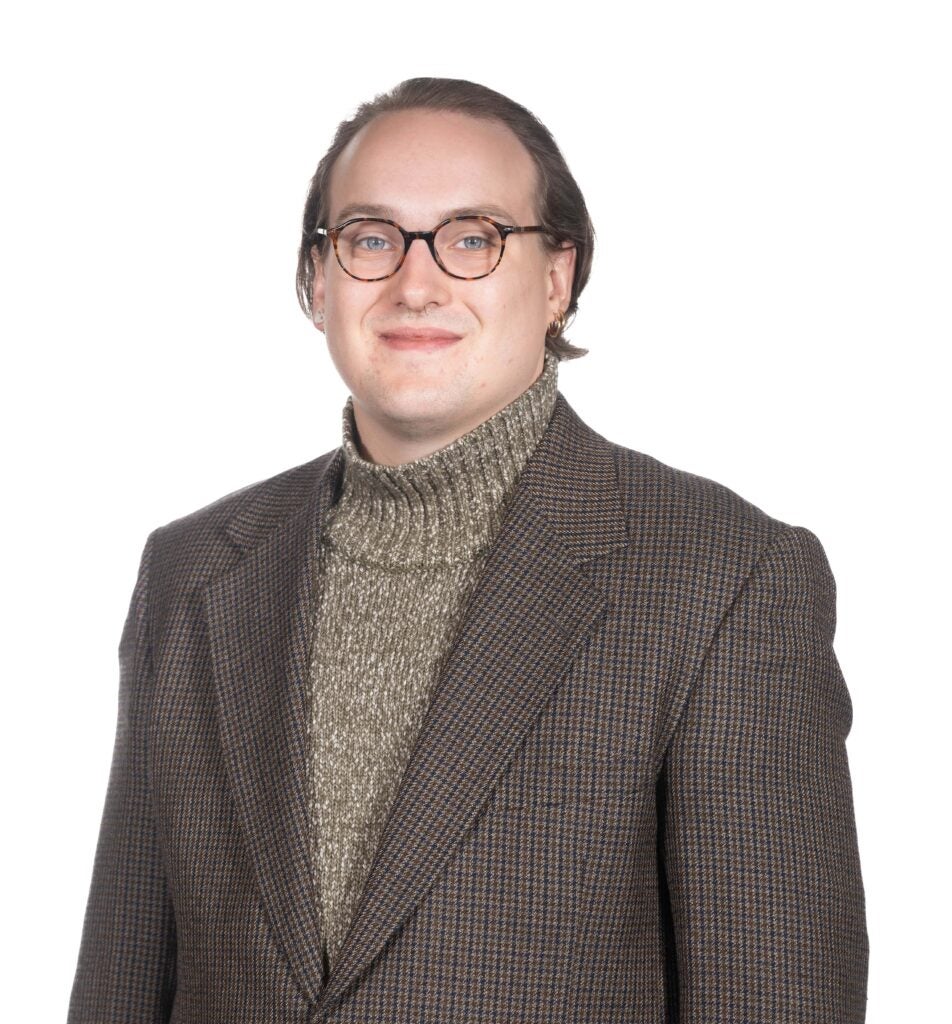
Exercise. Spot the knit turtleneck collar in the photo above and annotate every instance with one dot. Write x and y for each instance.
(446, 507)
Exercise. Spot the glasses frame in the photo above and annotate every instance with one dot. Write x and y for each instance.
(505, 230)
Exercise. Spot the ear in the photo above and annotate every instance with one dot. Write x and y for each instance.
(317, 288)
(561, 276)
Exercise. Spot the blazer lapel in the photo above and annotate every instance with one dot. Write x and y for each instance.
(259, 624)
(529, 614)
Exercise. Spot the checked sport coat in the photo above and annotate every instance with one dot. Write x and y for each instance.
(630, 801)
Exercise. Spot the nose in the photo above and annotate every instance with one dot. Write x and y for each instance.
(419, 281)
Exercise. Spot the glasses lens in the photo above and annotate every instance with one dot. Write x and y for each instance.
(469, 247)
(370, 248)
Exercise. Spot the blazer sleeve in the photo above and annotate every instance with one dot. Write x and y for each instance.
(126, 965)
(757, 832)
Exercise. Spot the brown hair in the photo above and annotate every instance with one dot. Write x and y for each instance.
(561, 207)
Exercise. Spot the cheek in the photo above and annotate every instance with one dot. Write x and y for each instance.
(514, 297)
(522, 302)
(348, 302)
(533, 283)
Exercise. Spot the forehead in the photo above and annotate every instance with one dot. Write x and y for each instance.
(422, 164)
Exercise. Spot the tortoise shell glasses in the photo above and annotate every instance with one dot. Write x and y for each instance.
(346, 239)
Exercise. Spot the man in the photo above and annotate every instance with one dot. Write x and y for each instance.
(478, 717)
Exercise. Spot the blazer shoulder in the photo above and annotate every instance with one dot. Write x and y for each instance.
(197, 544)
(690, 509)
(693, 525)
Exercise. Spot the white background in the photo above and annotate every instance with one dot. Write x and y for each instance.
(769, 307)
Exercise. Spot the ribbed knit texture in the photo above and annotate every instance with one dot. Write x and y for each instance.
(401, 552)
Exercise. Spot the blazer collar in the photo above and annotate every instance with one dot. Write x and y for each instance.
(535, 591)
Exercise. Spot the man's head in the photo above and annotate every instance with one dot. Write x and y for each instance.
(428, 150)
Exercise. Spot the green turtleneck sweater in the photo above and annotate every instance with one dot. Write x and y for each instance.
(400, 554)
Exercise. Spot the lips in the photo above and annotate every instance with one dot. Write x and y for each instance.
(418, 334)
(418, 338)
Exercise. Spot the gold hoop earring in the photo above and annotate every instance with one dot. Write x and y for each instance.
(558, 324)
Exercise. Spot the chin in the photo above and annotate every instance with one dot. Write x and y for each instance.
(414, 403)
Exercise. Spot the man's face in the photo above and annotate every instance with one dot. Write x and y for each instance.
(423, 166)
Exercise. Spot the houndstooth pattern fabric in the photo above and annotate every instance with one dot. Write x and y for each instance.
(629, 801)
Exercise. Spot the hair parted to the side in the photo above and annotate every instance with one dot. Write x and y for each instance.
(560, 206)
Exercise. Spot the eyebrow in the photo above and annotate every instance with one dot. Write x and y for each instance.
(377, 210)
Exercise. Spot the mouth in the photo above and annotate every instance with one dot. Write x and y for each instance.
(422, 337)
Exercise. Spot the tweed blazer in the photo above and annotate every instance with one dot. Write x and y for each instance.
(629, 803)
